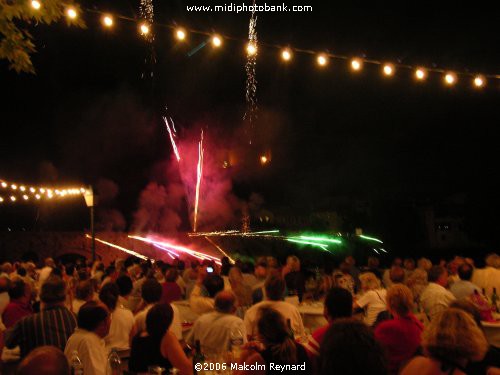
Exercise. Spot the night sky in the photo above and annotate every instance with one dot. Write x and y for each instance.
(92, 112)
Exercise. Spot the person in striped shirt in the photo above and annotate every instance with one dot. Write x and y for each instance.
(53, 325)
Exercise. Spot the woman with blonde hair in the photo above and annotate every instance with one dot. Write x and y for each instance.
(400, 336)
(373, 298)
(417, 282)
(450, 342)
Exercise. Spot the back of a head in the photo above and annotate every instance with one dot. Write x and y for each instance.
(158, 320)
(273, 332)
(349, 348)
(17, 289)
(338, 303)
(397, 274)
(91, 315)
(454, 335)
(171, 275)
(492, 260)
(369, 281)
(400, 299)
(224, 302)
(274, 286)
(125, 285)
(53, 290)
(151, 291)
(293, 262)
(109, 295)
(84, 290)
(435, 273)
(49, 262)
(44, 360)
(213, 284)
(470, 308)
(465, 271)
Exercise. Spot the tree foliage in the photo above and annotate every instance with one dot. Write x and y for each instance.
(17, 17)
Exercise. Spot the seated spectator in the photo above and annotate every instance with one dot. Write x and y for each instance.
(343, 278)
(338, 304)
(294, 279)
(45, 360)
(349, 348)
(258, 290)
(397, 262)
(248, 272)
(424, 264)
(157, 346)
(84, 293)
(171, 290)
(278, 347)
(373, 299)
(214, 329)
(46, 271)
(275, 289)
(373, 266)
(20, 303)
(409, 267)
(463, 288)
(488, 277)
(417, 282)
(122, 319)
(51, 326)
(242, 292)
(435, 297)
(400, 336)
(451, 341)
(190, 277)
(397, 275)
(125, 286)
(4, 293)
(87, 341)
(202, 296)
(151, 294)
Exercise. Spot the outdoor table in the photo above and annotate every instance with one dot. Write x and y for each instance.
(492, 331)
(312, 315)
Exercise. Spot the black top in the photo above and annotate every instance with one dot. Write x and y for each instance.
(302, 358)
(145, 352)
(295, 283)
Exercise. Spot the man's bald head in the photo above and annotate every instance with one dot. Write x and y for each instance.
(224, 302)
(45, 360)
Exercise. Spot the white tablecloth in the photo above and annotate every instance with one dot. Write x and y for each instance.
(312, 316)
(492, 333)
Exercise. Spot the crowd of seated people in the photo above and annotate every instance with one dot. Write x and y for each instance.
(414, 317)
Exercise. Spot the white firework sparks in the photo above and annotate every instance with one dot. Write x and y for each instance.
(251, 84)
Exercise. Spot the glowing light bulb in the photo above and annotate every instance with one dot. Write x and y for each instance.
(420, 74)
(71, 13)
(42, 190)
(25, 197)
(180, 34)
(321, 60)
(356, 64)
(144, 29)
(36, 4)
(13, 186)
(286, 54)
(450, 78)
(264, 159)
(22, 188)
(82, 190)
(1, 199)
(479, 81)
(4, 184)
(37, 196)
(388, 69)
(12, 198)
(216, 41)
(107, 21)
(32, 189)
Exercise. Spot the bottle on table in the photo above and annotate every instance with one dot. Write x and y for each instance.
(76, 364)
(114, 363)
(235, 343)
(198, 356)
(495, 300)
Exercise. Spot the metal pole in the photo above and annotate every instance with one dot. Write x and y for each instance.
(92, 231)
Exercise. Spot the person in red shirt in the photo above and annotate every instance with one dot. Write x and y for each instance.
(338, 304)
(400, 336)
(171, 290)
(20, 303)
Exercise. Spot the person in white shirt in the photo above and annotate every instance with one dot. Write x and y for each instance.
(373, 299)
(435, 297)
(88, 339)
(122, 319)
(275, 290)
(488, 277)
(46, 271)
(214, 329)
(201, 299)
(151, 294)
(463, 288)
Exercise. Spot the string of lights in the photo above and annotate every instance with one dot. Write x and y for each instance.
(286, 53)
(14, 192)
